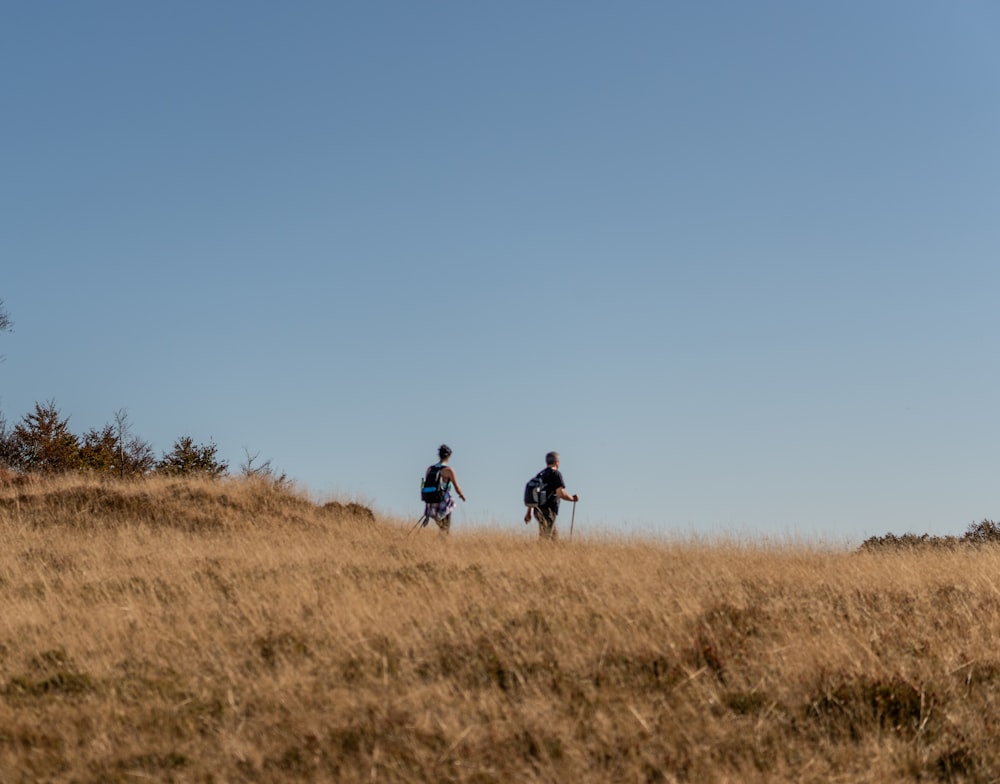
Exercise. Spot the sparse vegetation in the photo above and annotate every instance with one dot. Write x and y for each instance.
(187, 458)
(181, 629)
(986, 532)
(262, 470)
(114, 450)
(43, 443)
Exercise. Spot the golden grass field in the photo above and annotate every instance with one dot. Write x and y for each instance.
(230, 631)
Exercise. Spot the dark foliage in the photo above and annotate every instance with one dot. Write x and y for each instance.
(42, 442)
(986, 532)
(188, 458)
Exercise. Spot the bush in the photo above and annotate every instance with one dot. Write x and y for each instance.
(984, 533)
(188, 458)
(43, 442)
(114, 450)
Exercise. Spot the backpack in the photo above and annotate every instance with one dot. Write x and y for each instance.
(433, 487)
(534, 492)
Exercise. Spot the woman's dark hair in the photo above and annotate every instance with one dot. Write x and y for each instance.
(444, 451)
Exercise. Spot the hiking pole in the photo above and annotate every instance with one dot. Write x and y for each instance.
(420, 522)
(572, 518)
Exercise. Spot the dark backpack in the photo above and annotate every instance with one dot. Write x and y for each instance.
(534, 492)
(433, 486)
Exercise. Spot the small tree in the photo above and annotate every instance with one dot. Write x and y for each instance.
(135, 455)
(42, 441)
(113, 449)
(8, 447)
(188, 457)
(99, 450)
(986, 532)
(263, 471)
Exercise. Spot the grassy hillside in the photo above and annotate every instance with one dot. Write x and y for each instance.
(231, 632)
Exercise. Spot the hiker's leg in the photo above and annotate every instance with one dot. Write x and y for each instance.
(541, 522)
(545, 524)
(444, 525)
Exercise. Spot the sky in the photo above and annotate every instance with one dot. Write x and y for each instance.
(737, 262)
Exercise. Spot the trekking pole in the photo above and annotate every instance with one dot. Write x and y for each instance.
(420, 522)
(572, 518)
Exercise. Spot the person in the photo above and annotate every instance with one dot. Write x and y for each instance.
(440, 512)
(555, 488)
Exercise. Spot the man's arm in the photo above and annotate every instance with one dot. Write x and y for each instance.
(561, 492)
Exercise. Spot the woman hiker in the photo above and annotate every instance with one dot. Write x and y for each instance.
(439, 479)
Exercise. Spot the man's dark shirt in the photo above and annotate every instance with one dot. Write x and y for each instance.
(552, 480)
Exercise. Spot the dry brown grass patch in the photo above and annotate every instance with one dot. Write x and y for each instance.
(240, 632)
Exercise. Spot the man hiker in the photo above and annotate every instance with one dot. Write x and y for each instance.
(438, 481)
(555, 488)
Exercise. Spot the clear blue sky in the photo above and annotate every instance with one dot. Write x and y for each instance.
(738, 262)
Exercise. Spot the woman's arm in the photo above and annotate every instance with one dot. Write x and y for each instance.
(449, 473)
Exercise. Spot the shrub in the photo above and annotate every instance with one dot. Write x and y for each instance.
(188, 458)
(43, 442)
(986, 532)
(114, 450)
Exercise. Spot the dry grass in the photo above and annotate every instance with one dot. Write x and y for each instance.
(229, 632)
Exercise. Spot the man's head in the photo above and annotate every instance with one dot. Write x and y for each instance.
(444, 452)
(552, 459)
